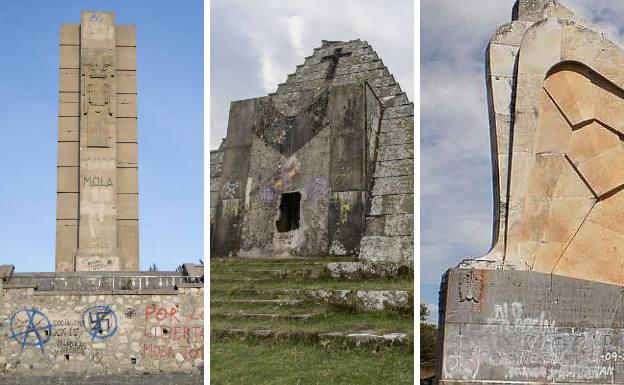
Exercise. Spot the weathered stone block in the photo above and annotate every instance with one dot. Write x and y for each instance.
(502, 58)
(387, 249)
(393, 185)
(399, 224)
(125, 82)
(216, 157)
(399, 111)
(66, 244)
(127, 154)
(127, 180)
(394, 168)
(396, 137)
(126, 58)
(126, 105)
(68, 153)
(382, 82)
(126, 130)
(69, 80)
(392, 204)
(400, 151)
(375, 225)
(67, 180)
(125, 35)
(392, 124)
(215, 170)
(70, 34)
(67, 206)
(68, 128)
(128, 240)
(69, 56)
(69, 104)
(127, 206)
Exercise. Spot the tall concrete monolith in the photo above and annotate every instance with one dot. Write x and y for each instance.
(97, 190)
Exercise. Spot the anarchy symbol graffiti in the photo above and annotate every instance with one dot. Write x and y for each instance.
(30, 327)
(100, 322)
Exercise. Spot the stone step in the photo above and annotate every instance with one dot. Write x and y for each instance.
(397, 249)
(344, 61)
(299, 77)
(399, 111)
(354, 300)
(392, 204)
(395, 100)
(277, 302)
(398, 167)
(295, 262)
(394, 152)
(400, 136)
(390, 225)
(384, 91)
(356, 338)
(280, 273)
(354, 77)
(393, 185)
(382, 82)
(298, 317)
(393, 124)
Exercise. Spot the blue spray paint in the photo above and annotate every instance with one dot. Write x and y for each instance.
(38, 325)
(100, 322)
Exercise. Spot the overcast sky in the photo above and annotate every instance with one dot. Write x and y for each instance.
(255, 44)
(170, 125)
(456, 188)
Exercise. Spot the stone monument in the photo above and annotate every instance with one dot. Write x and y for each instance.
(97, 192)
(89, 322)
(545, 304)
(323, 166)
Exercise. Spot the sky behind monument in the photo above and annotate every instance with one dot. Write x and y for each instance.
(255, 44)
(170, 124)
(456, 187)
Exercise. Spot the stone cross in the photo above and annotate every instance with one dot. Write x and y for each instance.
(333, 62)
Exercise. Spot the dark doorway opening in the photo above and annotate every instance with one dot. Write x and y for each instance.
(289, 212)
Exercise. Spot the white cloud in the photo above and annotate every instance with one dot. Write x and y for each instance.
(280, 33)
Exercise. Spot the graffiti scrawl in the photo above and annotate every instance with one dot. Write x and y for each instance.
(31, 327)
(100, 322)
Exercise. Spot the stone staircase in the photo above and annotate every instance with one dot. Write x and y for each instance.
(284, 300)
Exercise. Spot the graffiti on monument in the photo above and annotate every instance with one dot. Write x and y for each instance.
(172, 335)
(100, 322)
(30, 327)
(525, 347)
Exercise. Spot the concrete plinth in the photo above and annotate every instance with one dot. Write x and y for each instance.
(506, 326)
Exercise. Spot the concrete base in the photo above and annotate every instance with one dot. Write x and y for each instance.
(523, 327)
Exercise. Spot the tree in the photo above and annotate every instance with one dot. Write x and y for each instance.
(428, 338)
(424, 312)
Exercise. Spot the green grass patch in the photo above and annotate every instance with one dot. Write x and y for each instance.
(249, 362)
(325, 322)
(232, 283)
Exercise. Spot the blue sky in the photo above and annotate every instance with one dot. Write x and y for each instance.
(170, 105)
(456, 187)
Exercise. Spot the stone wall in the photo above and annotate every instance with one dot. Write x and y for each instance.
(526, 327)
(112, 330)
(340, 132)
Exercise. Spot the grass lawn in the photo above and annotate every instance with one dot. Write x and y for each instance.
(249, 362)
